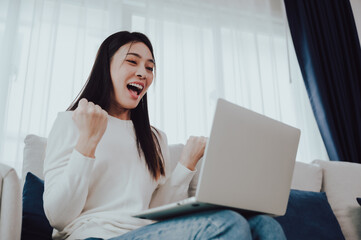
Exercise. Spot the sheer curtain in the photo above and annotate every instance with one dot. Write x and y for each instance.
(237, 50)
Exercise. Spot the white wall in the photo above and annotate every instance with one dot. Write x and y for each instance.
(356, 8)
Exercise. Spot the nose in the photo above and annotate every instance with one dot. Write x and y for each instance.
(141, 73)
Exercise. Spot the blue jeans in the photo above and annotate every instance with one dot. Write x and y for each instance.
(219, 224)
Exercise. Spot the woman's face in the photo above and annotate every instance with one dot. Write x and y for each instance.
(131, 71)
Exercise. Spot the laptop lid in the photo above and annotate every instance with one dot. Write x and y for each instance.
(249, 161)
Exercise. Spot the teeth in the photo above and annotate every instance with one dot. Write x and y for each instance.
(140, 87)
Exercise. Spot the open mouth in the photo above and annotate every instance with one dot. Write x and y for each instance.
(135, 88)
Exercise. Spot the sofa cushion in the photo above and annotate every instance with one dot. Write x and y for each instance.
(309, 216)
(342, 183)
(35, 224)
(175, 151)
(34, 154)
(307, 177)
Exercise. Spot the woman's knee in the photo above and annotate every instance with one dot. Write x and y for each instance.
(228, 224)
(263, 220)
(262, 226)
(229, 217)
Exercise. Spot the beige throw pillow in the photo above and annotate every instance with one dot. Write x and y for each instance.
(342, 184)
(307, 177)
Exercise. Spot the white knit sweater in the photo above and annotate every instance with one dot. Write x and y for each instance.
(87, 197)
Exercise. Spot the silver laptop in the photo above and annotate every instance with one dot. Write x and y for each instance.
(247, 166)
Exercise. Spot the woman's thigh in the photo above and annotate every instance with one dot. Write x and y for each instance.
(221, 224)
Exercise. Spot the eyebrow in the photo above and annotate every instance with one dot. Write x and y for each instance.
(137, 55)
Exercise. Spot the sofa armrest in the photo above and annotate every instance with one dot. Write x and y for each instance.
(10, 203)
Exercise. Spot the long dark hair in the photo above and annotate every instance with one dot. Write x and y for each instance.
(99, 90)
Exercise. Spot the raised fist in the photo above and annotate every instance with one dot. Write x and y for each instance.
(91, 121)
(193, 151)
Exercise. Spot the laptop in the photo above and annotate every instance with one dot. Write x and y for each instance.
(247, 166)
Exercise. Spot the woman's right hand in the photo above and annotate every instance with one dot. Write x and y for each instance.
(91, 121)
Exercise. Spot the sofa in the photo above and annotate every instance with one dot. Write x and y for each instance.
(322, 199)
(10, 203)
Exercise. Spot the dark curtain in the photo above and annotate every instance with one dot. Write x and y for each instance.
(328, 51)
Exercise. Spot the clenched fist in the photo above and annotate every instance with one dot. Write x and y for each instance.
(193, 151)
(91, 121)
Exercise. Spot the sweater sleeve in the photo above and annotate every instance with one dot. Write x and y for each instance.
(174, 186)
(66, 173)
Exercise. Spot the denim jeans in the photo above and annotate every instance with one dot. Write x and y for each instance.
(218, 224)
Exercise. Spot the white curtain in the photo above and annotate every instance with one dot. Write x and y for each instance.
(237, 50)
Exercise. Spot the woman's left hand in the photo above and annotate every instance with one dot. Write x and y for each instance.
(193, 151)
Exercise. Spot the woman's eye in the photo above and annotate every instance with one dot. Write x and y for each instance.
(131, 61)
(150, 69)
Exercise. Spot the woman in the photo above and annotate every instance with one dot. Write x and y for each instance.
(105, 162)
